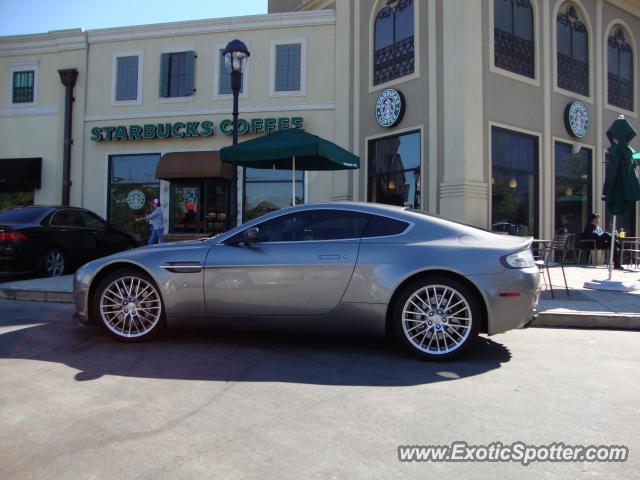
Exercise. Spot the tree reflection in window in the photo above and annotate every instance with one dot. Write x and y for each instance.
(573, 51)
(513, 36)
(393, 41)
(620, 70)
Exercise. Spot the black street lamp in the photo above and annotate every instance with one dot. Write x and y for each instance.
(236, 56)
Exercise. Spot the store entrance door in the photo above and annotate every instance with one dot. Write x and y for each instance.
(200, 206)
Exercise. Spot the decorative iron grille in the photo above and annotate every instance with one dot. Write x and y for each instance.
(394, 61)
(573, 75)
(620, 92)
(514, 53)
(620, 89)
(22, 87)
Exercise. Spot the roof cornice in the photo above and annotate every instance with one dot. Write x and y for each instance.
(195, 27)
(630, 6)
(53, 41)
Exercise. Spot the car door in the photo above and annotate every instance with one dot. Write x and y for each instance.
(70, 234)
(301, 265)
(107, 240)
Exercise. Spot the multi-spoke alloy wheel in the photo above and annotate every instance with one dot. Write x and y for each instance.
(437, 319)
(129, 306)
(53, 264)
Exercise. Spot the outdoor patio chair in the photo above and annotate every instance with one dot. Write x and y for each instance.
(588, 246)
(630, 247)
(553, 254)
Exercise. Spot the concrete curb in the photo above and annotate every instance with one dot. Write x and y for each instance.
(605, 320)
(35, 295)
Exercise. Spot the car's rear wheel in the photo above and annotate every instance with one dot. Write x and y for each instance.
(53, 262)
(436, 319)
(129, 306)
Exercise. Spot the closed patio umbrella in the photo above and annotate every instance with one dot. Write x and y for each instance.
(290, 149)
(621, 188)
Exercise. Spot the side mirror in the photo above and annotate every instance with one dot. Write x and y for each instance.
(250, 235)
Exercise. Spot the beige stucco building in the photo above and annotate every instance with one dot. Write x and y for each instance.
(493, 112)
(486, 91)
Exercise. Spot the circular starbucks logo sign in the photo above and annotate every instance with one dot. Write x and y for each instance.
(135, 199)
(576, 119)
(389, 107)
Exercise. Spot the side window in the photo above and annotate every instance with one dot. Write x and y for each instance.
(67, 218)
(313, 225)
(91, 220)
(126, 77)
(384, 227)
(177, 74)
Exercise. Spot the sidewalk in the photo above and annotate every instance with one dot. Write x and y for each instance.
(55, 289)
(586, 308)
(583, 308)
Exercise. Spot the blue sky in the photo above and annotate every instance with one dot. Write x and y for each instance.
(37, 16)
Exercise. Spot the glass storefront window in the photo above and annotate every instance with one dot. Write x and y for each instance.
(132, 184)
(573, 187)
(269, 190)
(394, 170)
(514, 182)
(200, 206)
(10, 200)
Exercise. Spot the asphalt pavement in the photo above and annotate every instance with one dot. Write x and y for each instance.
(296, 403)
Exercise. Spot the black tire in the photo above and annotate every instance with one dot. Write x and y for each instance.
(53, 262)
(453, 327)
(136, 320)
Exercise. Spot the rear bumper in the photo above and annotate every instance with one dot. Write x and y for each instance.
(509, 312)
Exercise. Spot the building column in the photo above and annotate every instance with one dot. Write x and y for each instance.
(464, 193)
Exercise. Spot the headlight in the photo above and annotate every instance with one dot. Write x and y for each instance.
(521, 259)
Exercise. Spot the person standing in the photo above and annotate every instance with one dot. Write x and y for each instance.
(156, 222)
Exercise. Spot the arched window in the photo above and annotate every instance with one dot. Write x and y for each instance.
(620, 69)
(393, 41)
(573, 51)
(513, 36)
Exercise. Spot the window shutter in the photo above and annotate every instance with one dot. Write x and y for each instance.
(191, 71)
(164, 75)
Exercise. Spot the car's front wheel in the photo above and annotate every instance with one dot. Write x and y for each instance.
(436, 319)
(129, 306)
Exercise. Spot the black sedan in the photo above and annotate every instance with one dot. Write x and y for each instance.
(54, 240)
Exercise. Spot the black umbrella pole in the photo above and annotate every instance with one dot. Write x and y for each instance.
(613, 246)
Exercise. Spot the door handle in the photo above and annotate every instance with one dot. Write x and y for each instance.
(328, 257)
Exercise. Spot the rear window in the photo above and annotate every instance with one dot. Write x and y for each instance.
(27, 215)
(384, 227)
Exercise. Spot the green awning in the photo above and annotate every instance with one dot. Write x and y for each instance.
(279, 149)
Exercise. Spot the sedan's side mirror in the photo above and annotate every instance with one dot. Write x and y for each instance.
(250, 235)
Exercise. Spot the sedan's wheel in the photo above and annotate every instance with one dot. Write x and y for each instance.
(129, 306)
(53, 262)
(437, 319)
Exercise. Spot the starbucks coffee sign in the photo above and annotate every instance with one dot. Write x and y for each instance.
(576, 119)
(389, 107)
(135, 199)
(205, 128)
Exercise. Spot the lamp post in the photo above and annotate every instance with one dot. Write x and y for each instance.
(236, 56)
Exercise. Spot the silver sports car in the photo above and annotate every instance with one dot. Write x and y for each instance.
(433, 283)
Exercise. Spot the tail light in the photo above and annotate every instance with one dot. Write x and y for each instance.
(11, 236)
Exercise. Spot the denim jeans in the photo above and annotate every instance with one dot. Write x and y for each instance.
(155, 236)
